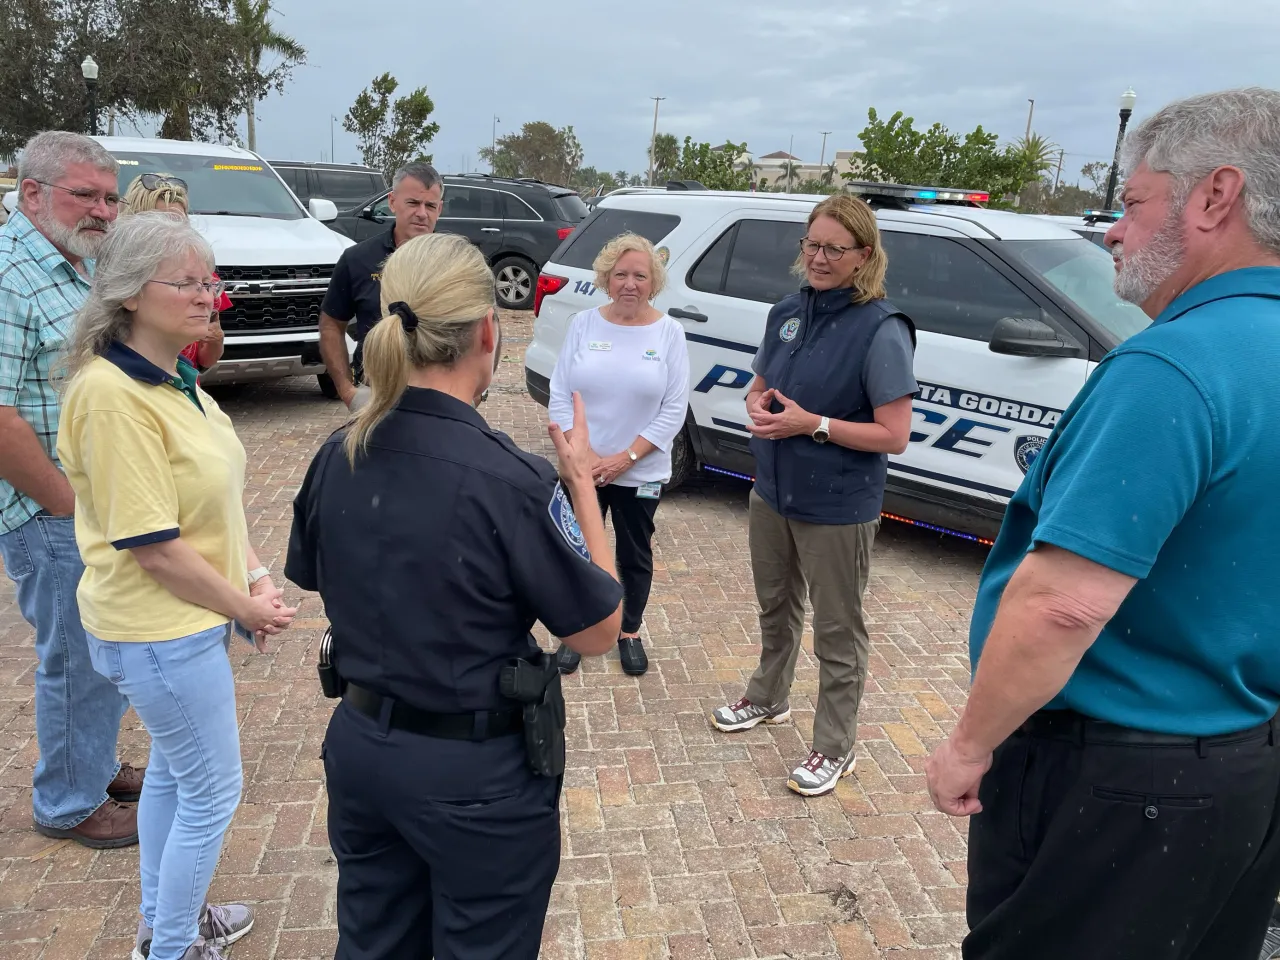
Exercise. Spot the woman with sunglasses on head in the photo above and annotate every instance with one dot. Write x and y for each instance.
(830, 401)
(167, 194)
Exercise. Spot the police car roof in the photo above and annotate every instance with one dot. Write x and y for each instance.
(969, 221)
(156, 145)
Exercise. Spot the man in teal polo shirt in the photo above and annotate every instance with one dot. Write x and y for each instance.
(1119, 747)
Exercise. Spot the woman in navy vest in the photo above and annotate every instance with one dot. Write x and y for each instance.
(830, 401)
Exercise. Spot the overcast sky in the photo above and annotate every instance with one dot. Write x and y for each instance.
(754, 71)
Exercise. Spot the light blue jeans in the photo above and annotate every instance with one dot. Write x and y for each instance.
(77, 711)
(184, 693)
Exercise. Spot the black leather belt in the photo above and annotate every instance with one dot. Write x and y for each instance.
(1070, 725)
(477, 725)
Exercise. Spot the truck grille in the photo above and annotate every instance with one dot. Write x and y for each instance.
(272, 299)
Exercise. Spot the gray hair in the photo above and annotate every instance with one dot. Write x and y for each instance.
(47, 156)
(132, 254)
(1191, 138)
(421, 171)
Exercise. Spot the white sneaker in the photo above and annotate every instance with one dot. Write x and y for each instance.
(744, 715)
(820, 774)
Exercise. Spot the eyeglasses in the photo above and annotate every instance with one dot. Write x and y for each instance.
(831, 250)
(190, 287)
(153, 180)
(90, 198)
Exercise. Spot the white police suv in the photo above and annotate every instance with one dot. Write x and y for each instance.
(1092, 224)
(1012, 313)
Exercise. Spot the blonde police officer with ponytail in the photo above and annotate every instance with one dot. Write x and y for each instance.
(435, 543)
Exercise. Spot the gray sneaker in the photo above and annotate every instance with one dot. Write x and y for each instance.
(221, 925)
(744, 715)
(1271, 944)
(202, 949)
(819, 774)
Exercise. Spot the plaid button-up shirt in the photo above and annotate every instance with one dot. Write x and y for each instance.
(40, 294)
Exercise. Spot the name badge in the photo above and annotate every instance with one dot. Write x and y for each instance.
(649, 491)
(600, 345)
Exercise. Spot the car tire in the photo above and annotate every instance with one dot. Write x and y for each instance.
(327, 387)
(515, 278)
(682, 461)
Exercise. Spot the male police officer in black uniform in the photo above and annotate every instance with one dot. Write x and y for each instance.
(434, 554)
(417, 195)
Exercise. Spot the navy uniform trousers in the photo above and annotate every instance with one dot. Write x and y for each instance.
(446, 849)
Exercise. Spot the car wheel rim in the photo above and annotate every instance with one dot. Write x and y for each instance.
(514, 284)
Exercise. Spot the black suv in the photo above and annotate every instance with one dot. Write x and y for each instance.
(343, 183)
(517, 224)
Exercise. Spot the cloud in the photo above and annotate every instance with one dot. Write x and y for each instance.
(763, 72)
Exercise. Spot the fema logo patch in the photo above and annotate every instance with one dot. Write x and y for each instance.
(1025, 451)
(789, 330)
(562, 515)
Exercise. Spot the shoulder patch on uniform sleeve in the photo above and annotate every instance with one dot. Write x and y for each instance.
(566, 522)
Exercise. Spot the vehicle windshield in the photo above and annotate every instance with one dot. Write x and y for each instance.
(1084, 272)
(217, 186)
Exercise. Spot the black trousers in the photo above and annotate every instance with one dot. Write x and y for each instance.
(1090, 845)
(633, 528)
(445, 848)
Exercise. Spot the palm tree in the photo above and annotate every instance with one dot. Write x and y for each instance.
(829, 174)
(1038, 155)
(259, 37)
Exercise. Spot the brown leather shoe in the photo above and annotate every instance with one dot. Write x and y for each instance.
(113, 824)
(127, 786)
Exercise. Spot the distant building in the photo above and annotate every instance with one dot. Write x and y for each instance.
(770, 171)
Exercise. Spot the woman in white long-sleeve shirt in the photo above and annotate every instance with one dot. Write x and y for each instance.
(629, 362)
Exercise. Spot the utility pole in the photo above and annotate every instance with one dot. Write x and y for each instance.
(493, 147)
(332, 118)
(823, 161)
(653, 139)
(1031, 110)
(790, 162)
(1061, 154)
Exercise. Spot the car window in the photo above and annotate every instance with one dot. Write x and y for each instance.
(580, 249)
(708, 273)
(760, 264)
(341, 185)
(1085, 273)
(217, 186)
(469, 203)
(569, 206)
(383, 208)
(296, 179)
(513, 208)
(946, 288)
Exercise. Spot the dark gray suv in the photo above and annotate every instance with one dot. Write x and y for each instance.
(517, 224)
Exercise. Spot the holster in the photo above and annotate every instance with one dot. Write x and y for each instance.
(330, 682)
(536, 686)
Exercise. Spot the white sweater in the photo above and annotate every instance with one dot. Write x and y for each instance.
(634, 382)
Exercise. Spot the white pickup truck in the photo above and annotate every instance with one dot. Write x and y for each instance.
(275, 254)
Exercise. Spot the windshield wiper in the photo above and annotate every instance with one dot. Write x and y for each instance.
(227, 213)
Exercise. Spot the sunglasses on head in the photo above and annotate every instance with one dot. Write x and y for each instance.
(154, 180)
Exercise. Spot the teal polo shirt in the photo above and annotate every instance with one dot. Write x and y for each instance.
(1166, 467)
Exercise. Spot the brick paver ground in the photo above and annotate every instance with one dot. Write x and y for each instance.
(679, 841)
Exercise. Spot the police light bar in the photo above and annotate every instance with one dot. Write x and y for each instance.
(1104, 214)
(865, 188)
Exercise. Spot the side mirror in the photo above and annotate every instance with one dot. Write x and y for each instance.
(323, 210)
(1027, 337)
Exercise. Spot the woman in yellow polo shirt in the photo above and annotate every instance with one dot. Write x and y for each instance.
(158, 474)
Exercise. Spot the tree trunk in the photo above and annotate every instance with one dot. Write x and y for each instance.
(252, 128)
(177, 123)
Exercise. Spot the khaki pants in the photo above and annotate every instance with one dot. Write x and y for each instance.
(833, 560)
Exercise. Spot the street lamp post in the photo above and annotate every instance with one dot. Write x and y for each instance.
(90, 71)
(1127, 100)
(653, 139)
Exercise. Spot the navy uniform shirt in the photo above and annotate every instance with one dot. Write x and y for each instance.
(355, 289)
(437, 553)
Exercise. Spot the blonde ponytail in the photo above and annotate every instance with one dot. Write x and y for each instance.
(442, 287)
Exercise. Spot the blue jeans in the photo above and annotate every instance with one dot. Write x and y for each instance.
(184, 693)
(77, 712)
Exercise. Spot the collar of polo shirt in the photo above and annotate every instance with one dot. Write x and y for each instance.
(140, 368)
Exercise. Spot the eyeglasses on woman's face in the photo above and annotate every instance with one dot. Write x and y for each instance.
(193, 287)
(831, 251)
